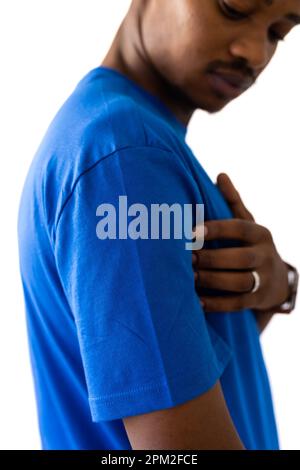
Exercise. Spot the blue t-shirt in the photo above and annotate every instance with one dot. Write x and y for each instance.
(115, 326)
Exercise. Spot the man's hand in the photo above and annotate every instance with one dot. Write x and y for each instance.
(259, 254)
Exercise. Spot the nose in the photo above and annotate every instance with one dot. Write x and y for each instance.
(254, 48)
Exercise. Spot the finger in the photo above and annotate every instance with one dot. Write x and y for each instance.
(194, 259)
(199, 231)
(244, 230)
(229, 281)
(232, 303)
(233, 197)
(230, 258)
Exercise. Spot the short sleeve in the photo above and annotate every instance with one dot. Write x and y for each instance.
(143, 337)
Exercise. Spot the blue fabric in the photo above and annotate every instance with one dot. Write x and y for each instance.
(115, 327)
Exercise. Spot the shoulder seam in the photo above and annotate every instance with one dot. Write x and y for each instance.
(97, 163)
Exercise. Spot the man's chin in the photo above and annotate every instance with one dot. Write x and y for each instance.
(214, 106)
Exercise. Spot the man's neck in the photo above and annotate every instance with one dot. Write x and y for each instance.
(127, 55)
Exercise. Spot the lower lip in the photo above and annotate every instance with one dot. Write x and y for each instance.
(223, 87)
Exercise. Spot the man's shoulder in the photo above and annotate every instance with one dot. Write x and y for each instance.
(89, 128)
(107, 123)
(122, 122)
(85, 132)
(118, 122)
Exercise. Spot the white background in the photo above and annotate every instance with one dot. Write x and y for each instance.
(47, 46)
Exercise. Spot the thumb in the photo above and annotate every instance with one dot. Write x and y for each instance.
(233, 198)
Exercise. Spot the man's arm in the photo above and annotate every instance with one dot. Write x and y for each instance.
(203, 423)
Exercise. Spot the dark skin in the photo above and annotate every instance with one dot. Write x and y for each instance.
(170, 48)
(259, 255)
(244, 39)
(149, 49)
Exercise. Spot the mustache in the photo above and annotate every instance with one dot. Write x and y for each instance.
(239, 65)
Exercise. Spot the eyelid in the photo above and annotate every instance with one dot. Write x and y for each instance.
(238, 15)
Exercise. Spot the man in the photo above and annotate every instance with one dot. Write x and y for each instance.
(127, 352)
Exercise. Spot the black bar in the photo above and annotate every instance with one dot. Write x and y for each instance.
(134, 459)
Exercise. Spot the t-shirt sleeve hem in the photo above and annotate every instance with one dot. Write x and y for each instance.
(165, 393)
